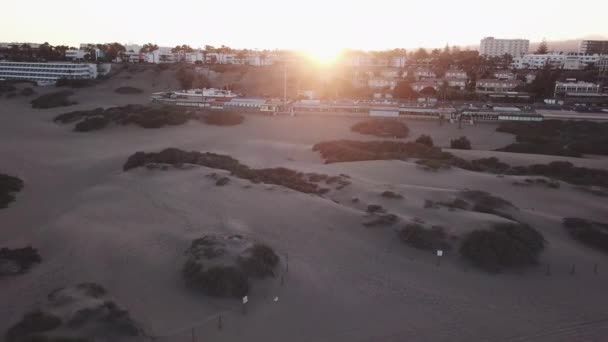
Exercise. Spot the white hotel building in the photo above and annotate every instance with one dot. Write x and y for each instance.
(557, 60)
(46, 73)
(492, 47)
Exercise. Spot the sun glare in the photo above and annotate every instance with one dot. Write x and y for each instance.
(323, 55)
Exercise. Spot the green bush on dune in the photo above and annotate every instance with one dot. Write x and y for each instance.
(9, 185)
(52, 100)
(260, 262)
(503, 247)
(420, 237)
(592, 234)
(461, 143)
(384, 128)
(32, 323)
(22, 259)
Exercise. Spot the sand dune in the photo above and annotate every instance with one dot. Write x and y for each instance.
(346, 282)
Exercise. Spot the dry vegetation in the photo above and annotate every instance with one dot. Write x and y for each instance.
(557, 137)
(9, 185)
(506, 246)
(55, 99)
(294, 180)
(222, 266)
(18, 260)
(384, 128)
(592, 234)
(75, 314)
(143, 116)
(128, 90)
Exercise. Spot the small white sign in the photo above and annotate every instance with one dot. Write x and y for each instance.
(439, 252)
(245, 300)
(276, 299)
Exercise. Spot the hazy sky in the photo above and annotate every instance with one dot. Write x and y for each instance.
(310, 24)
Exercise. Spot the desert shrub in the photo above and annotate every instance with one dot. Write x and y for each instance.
(142, 116)
(221, 281)
(32, 323)
(487, 199)
(382, 128)
(9, 185)
(260, 261)
(420, 237)
(433, 164)
(461, 143)
(566, 172)
(552, 149)
(350, 150)
(6, 87)
(487, 203)
(114, 318)
(27, 91)
(592, 234)
(382, 220)
(22, 258)
(52, 100)
(278, 176)
(222, 181)
(127, 90)
(91, 124)
(559, 137)
(223, 118)
(74, 83)
(375, 208)
(92, 289)
(392, 195)
(457, 203)
(425, 140)
(505, 246)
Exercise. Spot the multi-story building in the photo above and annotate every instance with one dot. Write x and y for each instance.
(455, 73)
(424, 73)
(504, 75)
(557, 60)
(562, 88)
(492, 47)
(46, 73)
(498, 86)
(75, 54)
(379, 82)
(591, 47)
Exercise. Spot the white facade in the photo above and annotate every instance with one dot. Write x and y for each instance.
(75, 54)
(494, 85)
(493, 47)
(459, 83)
(421, 74)
(46, 72)
(576, 88)
(504, 75)
(382, 83)
(458, 74)
(557, 60)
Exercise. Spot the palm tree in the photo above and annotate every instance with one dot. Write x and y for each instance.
(150, 48)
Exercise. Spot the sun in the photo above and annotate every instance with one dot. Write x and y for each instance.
(323, 55)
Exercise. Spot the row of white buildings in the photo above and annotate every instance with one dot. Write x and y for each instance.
(560, 60)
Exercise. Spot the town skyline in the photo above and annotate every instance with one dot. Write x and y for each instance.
(319, 27)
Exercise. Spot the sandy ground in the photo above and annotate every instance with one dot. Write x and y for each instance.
(345, 282)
